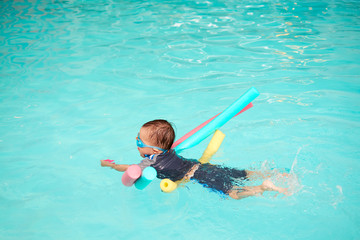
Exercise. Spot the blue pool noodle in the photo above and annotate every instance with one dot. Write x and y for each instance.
(147, 176)
(219, 121)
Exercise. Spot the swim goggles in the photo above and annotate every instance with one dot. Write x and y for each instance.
(140, 144)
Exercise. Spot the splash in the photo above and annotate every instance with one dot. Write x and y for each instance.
(293, 181)
(285, 178)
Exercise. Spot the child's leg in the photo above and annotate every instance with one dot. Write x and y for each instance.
(243, 192)
(255, 175)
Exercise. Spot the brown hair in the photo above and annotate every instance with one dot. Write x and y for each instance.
(162, 133)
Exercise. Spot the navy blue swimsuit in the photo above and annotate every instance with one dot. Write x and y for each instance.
(169, 165)
(174, 167)
(219, 178)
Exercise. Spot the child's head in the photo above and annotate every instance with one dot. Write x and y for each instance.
(158, 135)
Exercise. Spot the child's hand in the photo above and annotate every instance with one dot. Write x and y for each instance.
(107, 162)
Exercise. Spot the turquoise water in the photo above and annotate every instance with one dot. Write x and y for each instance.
(79, 78)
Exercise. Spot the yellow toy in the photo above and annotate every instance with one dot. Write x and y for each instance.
(168, 186)
(212, 147)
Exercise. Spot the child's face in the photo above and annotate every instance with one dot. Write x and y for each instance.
(144, 136)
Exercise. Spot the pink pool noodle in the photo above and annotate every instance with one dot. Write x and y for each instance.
(180, 140)
(131, 175)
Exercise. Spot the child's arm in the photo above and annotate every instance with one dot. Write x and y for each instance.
(118, 167)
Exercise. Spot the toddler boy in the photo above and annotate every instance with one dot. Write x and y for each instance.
(154, 144)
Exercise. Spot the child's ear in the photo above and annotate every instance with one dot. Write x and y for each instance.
(156, 151)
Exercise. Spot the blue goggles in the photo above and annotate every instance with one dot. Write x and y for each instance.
(140, 144)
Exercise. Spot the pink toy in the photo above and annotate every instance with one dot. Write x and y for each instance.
(108, 160)
(131, 175)
(180, 140)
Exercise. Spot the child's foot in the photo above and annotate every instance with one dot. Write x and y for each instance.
(269, 186)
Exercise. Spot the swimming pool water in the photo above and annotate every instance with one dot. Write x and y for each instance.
(79, 78)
